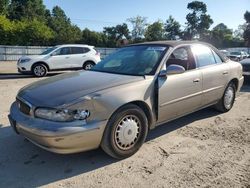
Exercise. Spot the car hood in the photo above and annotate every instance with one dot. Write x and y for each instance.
(33, 57)
(66, 88)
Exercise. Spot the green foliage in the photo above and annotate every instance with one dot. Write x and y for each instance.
(246, 34)
(25, 32)
(26, 9)
(198, 22)
(172, 29)
(65, 32)
(94, 38)
(114, 34)
(155, 31)
(28, 22)
(4, 7)
(139, 24)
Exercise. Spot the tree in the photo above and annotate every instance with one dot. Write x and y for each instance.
(65, 32)
(155, 31)
(172, 29)
(239, 32)
(4, 7)
(27, 9)
(246, 34)
(198, 22)
(139, 24)
(93, 38)
(24, 32)
(114, 34)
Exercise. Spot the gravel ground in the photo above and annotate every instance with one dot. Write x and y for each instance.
(204, 149)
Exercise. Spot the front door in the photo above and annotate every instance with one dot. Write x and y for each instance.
(179, 94)
(60, 59)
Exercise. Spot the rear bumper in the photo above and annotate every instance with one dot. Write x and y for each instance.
(57, 137)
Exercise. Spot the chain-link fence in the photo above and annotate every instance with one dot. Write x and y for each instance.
(13, 53)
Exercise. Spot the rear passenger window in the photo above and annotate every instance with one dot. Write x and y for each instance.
(217, 58)
(204, 55)
(77, 50)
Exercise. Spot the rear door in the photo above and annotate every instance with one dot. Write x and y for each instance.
(215, 73)
(79, 56)
(179, 94)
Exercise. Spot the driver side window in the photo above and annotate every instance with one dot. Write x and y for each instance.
(182, 56)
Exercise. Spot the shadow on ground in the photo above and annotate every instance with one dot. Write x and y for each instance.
(24, 164)
(7, 76)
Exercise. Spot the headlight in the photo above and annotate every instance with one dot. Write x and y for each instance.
(61, 115)
(24, 60)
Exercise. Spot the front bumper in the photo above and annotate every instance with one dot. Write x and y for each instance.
(57, 137)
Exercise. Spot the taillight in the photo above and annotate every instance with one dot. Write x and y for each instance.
(97, 54)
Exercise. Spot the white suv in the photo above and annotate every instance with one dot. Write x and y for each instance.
(63, 57)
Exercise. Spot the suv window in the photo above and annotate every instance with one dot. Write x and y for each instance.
(182, 56)
(79, 50)
(217, 58)
(203, 55)
(62, 51)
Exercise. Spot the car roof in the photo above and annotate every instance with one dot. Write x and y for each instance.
(75, 45)
(173, 43)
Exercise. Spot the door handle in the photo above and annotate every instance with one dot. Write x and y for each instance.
(225, 72)
(196, 80)
(66, 57)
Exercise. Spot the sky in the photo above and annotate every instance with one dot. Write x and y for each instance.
(96, 14)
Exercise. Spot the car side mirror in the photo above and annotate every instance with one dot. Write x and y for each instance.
(175, 69)
(53, 54)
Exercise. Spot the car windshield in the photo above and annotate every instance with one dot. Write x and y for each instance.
(235, 53)
(47, 51)
(134, 60)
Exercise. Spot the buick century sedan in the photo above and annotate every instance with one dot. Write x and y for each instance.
(115, 104)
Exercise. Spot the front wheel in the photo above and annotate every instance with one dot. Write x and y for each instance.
(39, 70)
(227, 101)
(125, 132)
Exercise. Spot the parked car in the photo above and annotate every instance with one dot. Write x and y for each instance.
(225, 52)
(116, 103)
(246, 66)
(236, 56)
(245, 55)
(63, 57)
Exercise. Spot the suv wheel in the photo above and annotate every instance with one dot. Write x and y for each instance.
(88, 65)
(39, 70)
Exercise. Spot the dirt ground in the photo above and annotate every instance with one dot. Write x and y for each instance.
(204, 149)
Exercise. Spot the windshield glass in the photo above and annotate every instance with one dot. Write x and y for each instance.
(235, 53)
(134, 60)
(47, 51)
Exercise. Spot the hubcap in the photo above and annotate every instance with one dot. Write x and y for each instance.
(127, 132)
(88, 66)
(229, 97)
(39, 70)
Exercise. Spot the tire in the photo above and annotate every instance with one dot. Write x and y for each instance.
(88, 65)
(39, 70)
(125, 132)
(227, 101)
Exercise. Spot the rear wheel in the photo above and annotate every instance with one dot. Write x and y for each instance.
(125, 132)
(88, 65)
(39, 70)
(227, 101)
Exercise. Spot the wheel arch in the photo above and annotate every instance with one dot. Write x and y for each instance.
(235, 81)
(144, 107)
(88, 61)
(40, 62)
